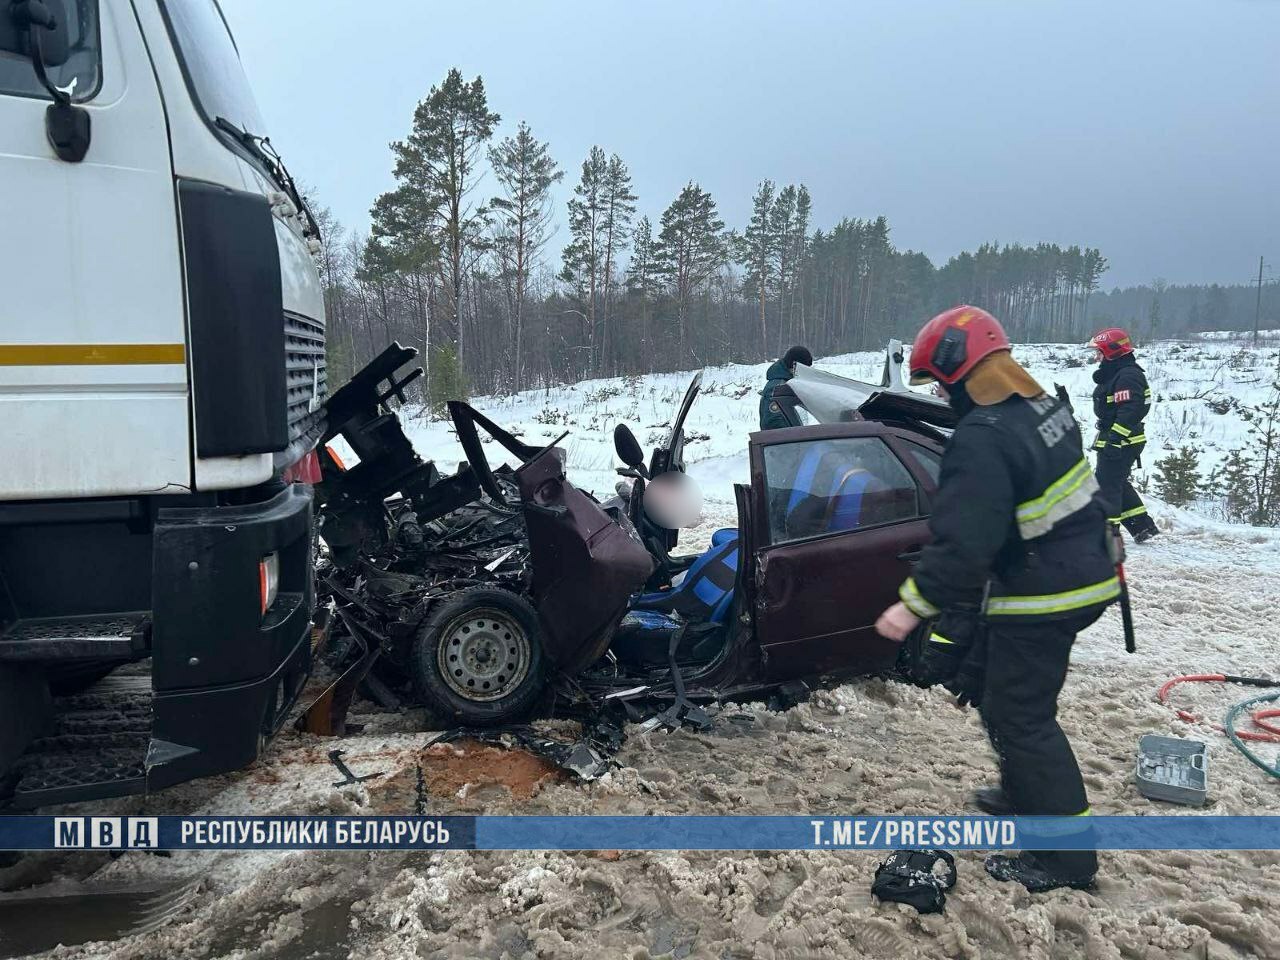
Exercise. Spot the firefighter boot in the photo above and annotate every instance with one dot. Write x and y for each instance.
(992, 800)
(1034, 874)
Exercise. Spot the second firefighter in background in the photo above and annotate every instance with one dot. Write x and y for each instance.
(1019, 535)
(1121, 402)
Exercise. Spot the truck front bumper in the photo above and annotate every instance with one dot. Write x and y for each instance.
(224, 673)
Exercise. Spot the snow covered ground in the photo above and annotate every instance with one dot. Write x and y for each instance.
(1191, 381)
(1205, 596)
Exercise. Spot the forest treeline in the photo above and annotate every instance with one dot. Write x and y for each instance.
(457, 264)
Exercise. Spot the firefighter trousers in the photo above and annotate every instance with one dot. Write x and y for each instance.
(1026, 667)
(1122, 502)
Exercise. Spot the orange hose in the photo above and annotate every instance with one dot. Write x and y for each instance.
(1271, 734)
(1259, 720)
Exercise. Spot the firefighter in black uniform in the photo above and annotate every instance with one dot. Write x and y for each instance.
(1019, 534)
(1121, 401)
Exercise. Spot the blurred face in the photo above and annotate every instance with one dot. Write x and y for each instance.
(673, 500)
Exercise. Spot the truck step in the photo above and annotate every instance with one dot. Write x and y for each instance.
(121, 636)
(95, 747)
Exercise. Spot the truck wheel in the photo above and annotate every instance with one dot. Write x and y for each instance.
(477, 659)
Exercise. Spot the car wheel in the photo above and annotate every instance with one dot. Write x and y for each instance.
(477, 660)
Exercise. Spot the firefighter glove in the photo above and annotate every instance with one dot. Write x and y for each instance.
(971, 677)
(945, 648)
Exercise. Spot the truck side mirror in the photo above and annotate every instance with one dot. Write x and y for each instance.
(41, 30)
(627, 446)
(31, 25)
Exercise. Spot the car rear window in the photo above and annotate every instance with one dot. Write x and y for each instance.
(819, 487)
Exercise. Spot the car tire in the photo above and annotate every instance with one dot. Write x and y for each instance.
(477, 659)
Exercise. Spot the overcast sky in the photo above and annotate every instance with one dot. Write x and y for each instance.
(1147, 128)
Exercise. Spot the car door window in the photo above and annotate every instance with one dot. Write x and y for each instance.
(929, 461)
(819, 487)
(79, 77)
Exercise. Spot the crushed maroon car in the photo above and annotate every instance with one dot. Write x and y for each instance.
(496, 593)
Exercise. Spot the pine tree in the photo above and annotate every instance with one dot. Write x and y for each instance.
(615, 225)
(782, 227)
(436, 173)
(800, 255)
(642, 282)
(690, 247)
(1232, 483)
(445, 379)
(1264, 445)
(755, 252)
(1249, 479)
(1178, 476)
(584, 255)
(525, 171)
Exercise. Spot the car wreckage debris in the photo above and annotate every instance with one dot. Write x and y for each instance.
(588, 758)
(335, 757)
(500, 593)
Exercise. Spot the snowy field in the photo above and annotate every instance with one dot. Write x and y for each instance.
(1205, 596)
(1191, 381)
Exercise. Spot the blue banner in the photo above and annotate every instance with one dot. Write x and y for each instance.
(805, 832)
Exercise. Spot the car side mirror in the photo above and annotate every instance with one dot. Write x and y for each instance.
(29, 27)
(627, 446)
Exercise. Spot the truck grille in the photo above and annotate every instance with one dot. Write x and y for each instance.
(304, 370)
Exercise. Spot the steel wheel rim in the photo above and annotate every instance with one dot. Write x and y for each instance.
(484, 655)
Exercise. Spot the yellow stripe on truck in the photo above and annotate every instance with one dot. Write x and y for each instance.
(90, 354)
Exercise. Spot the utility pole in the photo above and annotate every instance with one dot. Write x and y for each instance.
(1257, 310)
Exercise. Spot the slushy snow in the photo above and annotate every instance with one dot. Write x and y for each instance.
(1205, 595)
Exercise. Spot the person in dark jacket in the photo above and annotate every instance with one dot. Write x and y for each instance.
(1019, 535)
(1121, 402)
(771, 416)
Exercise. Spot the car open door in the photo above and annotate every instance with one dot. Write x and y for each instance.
(666, 458)
(838, 519)
(670, 456)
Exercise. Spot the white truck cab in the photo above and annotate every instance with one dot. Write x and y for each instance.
(161, 384)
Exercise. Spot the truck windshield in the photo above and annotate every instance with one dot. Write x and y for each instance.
(212, 64)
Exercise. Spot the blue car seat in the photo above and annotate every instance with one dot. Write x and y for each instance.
(826, 493)
(705, 595)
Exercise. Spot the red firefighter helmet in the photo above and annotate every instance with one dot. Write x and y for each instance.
(1112, 343)
(950, 345)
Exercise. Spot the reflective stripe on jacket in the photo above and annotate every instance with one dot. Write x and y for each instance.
(1121, 402)
(1015, 506)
